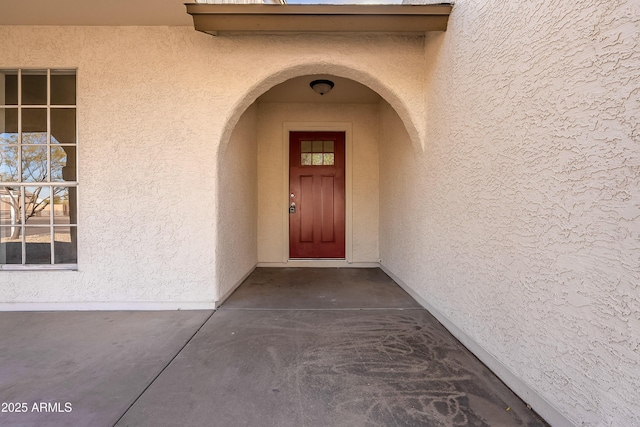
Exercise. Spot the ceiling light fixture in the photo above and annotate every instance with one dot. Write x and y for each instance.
(321, 86)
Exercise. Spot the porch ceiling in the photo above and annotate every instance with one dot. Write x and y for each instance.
(259, 18)
(83, 12)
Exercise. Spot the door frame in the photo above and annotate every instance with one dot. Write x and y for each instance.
(345, 127)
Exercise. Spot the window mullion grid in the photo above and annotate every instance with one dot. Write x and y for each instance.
(47, 182)
(52, 237)
(48, 125)
(73, 228)
(23, 229)
(51, 198)
(19, 165)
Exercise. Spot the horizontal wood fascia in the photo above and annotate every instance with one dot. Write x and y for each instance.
(273, 19)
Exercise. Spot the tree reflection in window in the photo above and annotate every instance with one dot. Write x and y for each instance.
(35, 169)
(38, 184)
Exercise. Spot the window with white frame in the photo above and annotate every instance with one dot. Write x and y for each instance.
(38, 169)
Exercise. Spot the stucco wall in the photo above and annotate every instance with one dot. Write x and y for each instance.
(404, 231)
(527, 236)
(364, 142)
(155, 106)
(146, 162)
(512, 207)
(236, 247)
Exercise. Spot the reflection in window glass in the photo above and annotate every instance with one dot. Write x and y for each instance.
(8, 125)
(328, 159)
(63, 163)
(34, 163)
(10, 246)
(63, 87)
(63, 125)
(8, 163)
(9, 87)
(34, 126)
(9, 206)
(65, 245)
(38, 201)
(328, 146)
(38, 245)
(317, 153)
(62, 197)
(34, 87)
(36, 205)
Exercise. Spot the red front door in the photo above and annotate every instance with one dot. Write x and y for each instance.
(316, 187)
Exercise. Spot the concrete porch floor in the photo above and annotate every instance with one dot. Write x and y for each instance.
(291, 347)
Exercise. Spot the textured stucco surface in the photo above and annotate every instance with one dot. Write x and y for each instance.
(526, 233)
(236, 247)
(509, 181)
(364, 125)
(157, 107)
(146, 192)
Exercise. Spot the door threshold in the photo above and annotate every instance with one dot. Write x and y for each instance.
(320, 262)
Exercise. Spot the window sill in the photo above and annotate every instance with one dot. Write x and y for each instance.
(39, 267)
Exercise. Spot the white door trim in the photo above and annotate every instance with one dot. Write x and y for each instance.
(345, 127)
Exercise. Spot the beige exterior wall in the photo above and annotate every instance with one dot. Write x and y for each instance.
(361, 119)
(157, 107)
(236, 247)
(145, 170)
(526, 232)
(508, 191)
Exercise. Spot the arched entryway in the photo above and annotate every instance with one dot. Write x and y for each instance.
(254, 193)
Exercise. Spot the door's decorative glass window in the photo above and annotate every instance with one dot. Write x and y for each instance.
(317, 153)
(38, 171)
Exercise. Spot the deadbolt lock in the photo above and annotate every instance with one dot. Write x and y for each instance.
(292, 208)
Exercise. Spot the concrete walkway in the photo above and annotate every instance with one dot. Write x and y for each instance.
(291, 347)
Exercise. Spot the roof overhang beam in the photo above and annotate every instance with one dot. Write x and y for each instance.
(273, 19)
